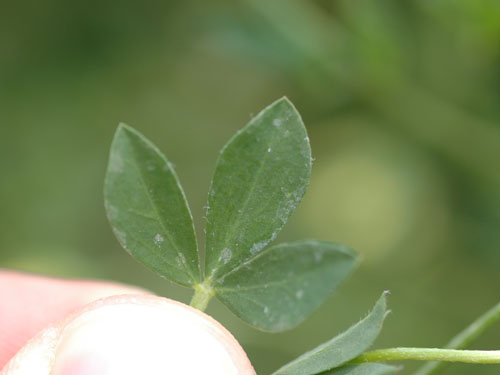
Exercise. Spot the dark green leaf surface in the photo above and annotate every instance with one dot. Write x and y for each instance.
(260, 177)
(341, 348)
(282, 285)
(148, 210)
(364, 369)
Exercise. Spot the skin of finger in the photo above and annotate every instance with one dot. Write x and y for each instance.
(40, 355)
(29, 303)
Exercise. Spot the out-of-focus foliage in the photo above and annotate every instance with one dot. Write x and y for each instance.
(401, 100)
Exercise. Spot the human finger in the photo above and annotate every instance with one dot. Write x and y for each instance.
(133, 334)
(29, 303)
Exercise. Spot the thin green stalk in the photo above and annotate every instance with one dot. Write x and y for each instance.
(203, 293)
(465, 338)
(425, 354)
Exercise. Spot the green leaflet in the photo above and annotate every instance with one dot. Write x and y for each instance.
(281, 286)
(341, 348)
(148, 210)
(260, 177)
(364, 369)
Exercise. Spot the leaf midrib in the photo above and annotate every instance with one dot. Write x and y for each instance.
(243, 209)
(326, 347)
(296, 277)
(155, 210)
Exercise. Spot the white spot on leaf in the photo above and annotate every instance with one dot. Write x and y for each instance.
(226, 255)
(299, 294)
(257, 247)
(181, 259)
(266, 310)
(277, 122)
(158, 239)
(273, 236)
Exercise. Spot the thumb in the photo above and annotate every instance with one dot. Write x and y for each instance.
(132, 334)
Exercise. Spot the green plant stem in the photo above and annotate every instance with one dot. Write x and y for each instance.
(425, 354)
(203, 293)
(465, 338)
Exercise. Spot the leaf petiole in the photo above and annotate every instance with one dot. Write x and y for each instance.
(428, 354)
(203, 293)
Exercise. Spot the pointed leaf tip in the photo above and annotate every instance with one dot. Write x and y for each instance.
(342, 348)
(260, 178)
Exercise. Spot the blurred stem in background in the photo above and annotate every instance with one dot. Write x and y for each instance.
(453, 352)
(465, 338)
(440, 124)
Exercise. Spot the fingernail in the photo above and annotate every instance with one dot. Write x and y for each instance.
(145, 338)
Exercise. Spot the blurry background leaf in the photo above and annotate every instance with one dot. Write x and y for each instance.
(148, 210)
(260, 178)
(281, 286)
(404, 129)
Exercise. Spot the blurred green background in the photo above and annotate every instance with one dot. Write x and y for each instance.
(401, 100)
